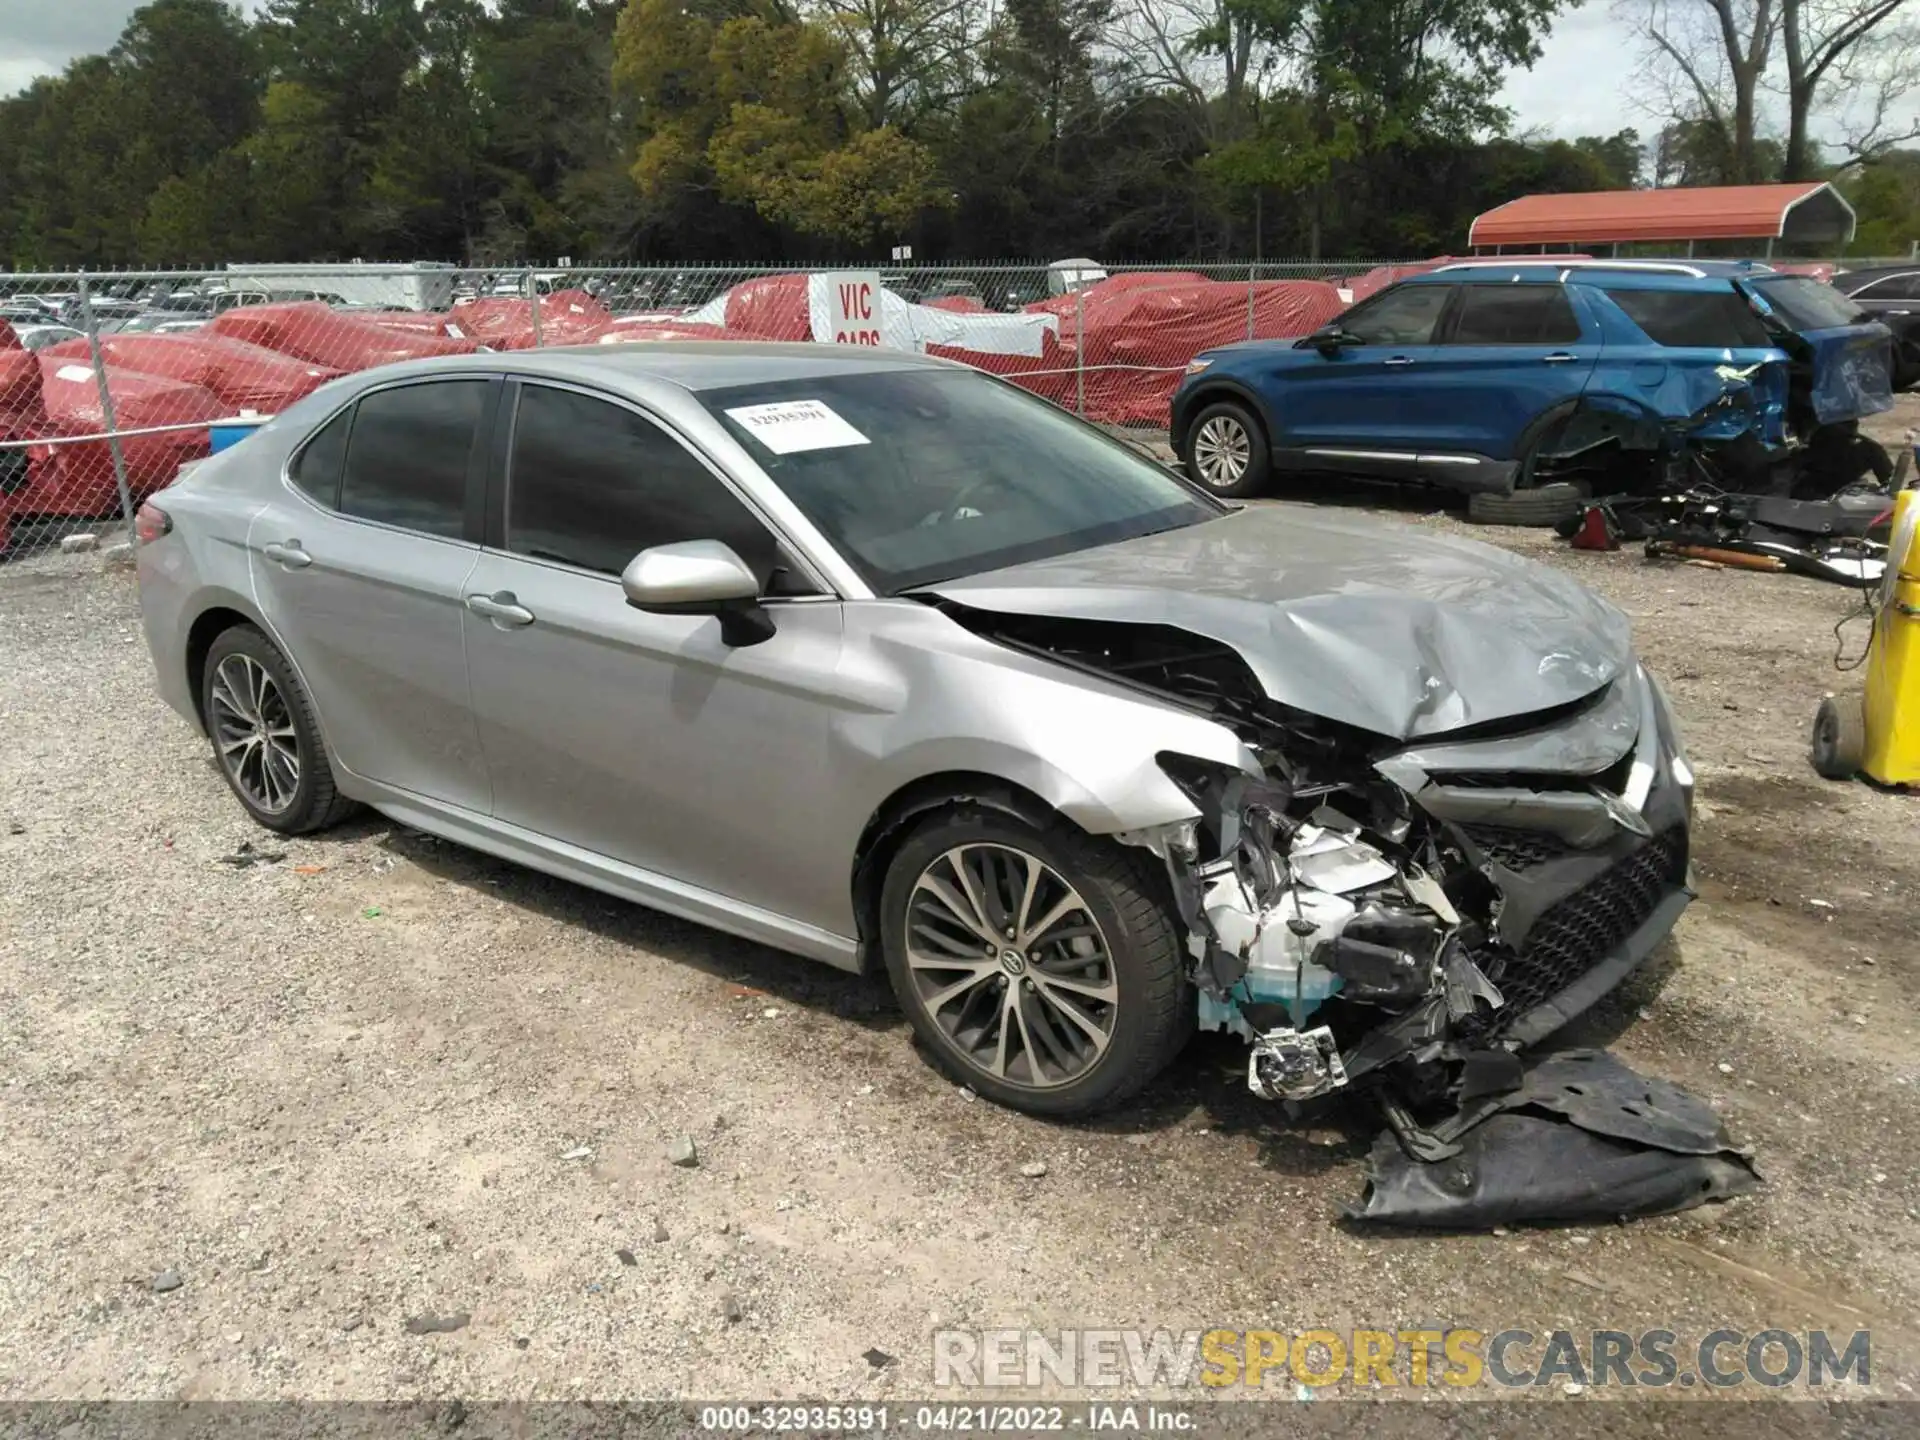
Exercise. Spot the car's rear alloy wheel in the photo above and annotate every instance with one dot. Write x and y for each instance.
(264, 735)
(1226, 451)
(1037, 964)
(253, 731)
(1011, 965)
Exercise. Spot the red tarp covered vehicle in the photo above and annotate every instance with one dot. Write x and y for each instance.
(241, 376)
(773, 307)
(312, 332)
(22, 416)
(78, 479)
(623, 333)
(20, 409)
(1140, 330)
(567, 317)
(419, 322)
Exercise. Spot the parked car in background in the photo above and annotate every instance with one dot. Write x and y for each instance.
(881, 660)
(39, 336)
(1891, 295)
(1501, 378)
(164, 322)
(108, 314)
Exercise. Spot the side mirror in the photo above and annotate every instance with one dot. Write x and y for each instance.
(699, 577)
(1331, 339)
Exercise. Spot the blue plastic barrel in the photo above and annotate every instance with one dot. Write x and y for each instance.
(228, 433)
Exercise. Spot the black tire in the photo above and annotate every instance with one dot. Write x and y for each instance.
(1552, 504)
(1229, 417)
(1154, 1015)
(315, 801)
(1840, 737)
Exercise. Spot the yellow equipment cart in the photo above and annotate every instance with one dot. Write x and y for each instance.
(1876, 732)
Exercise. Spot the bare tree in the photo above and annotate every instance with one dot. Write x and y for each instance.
(1207, 51)
(1706, 61)
(908, 56)
(1862, 58)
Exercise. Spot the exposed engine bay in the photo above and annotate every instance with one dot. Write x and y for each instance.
(1401, 918)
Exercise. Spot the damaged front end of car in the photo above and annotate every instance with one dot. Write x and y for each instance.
(1399, 917)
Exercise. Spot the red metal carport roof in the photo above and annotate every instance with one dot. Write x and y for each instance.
(1809, 211)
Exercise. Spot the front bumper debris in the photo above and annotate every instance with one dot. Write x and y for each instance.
(1473, 895)
(1578, 1137)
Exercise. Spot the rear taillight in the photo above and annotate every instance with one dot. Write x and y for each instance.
(150, 522)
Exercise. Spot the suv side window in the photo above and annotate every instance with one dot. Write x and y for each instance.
(1709, 319)
(1404, 315)
(1507, 314)
(316, 468)
(1894, 287)
(593, 484)
(408, 456)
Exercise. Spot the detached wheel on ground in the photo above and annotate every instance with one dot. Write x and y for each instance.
(1227, 451)
(1037, 965)
(1551, 504)
(265, 737)
(1840, 737)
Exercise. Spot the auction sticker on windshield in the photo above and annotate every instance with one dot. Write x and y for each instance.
(788, 427)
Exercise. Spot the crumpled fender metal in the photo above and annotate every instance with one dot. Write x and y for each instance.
(1852, 372)
(1583, 1137)
(1583, 745)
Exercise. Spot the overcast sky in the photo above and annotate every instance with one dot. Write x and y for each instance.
(1574, 90)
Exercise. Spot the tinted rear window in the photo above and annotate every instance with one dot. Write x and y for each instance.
(1514, 315)
(316, 469)
(1710, 319)
(1808, 304)
(407, 459)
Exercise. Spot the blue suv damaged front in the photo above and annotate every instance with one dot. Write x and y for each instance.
(1620, 378)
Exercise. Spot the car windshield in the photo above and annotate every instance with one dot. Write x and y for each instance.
(1806, 303)
(917, 476)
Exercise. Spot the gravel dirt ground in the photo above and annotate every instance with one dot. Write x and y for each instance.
(339, 1090)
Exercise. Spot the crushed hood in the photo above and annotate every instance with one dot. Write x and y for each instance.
(1394, 630)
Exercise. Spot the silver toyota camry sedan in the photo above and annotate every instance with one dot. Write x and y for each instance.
(883, 661)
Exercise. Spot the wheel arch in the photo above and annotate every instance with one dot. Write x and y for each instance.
(1212, 392)
(896, 816)
(1596, 402)
(218, 612)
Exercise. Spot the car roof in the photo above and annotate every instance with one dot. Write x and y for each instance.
(1494, 269)
(687, 364)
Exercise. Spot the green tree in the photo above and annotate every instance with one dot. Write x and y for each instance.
(756, 111)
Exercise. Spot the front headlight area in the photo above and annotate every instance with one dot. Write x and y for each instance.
(1673, 746)
(1297, 895)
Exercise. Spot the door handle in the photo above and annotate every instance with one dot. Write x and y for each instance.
(501, 607)
(287, 553)
(1398, 360)
(1559, 357)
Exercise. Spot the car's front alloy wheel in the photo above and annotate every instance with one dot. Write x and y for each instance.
(1011, 965)
(1037, 964)
(1227, 451)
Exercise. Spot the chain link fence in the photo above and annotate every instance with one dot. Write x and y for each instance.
(109, 382)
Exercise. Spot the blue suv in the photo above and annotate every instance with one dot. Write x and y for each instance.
(1502, 379)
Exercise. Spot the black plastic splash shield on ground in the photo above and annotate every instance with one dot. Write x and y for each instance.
(1583, 1138)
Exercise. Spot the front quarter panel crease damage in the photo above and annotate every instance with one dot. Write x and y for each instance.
(1365, 909)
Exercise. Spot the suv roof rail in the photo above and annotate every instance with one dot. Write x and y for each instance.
(1565, 265)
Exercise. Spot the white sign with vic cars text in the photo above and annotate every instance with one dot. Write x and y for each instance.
(854, 307)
